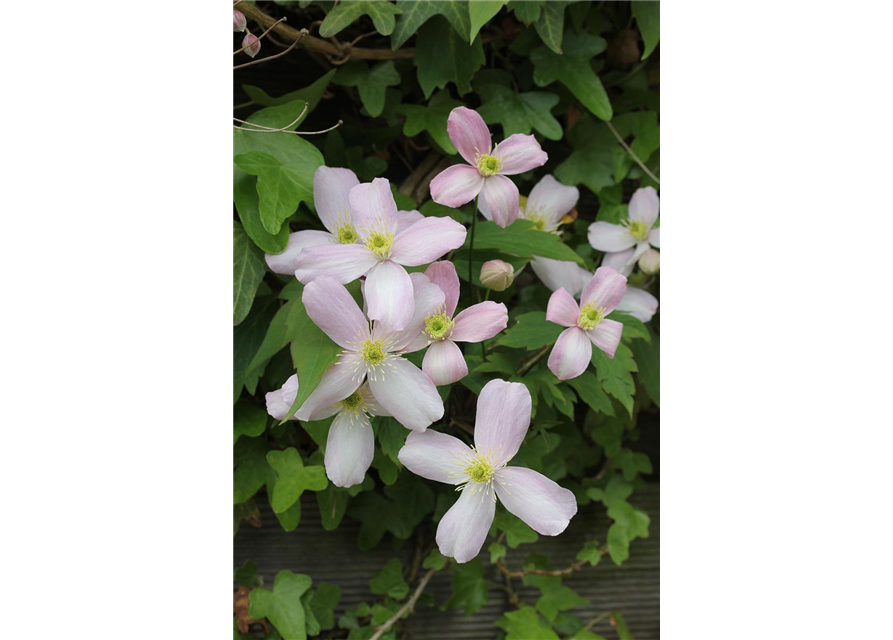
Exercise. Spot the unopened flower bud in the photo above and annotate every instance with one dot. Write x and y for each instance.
(649, 262)
(497, 275)
(252, 43)
(239, 21)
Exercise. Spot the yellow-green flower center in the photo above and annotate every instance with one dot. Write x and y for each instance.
(379, 243)
(353, 402)
(638, 230)
(590, 316)
(480, 471)
(373, 352)
(439, 326)
(346, 234)
(488, 165)
(539, 222)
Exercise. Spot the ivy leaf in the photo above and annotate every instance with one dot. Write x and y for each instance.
(522, 240)
(590, 391)
(325, 599)
(648, 18)
(497, 551)
(435, 560)
(442, 57)
(573, 70)
(616, 374)
(431, 118)
(525, 10)
(343, 15)
(525, 624)
(469, 587)
(632, 463)
(281, 187)
(516, 530)
(417, 12)
(312, 93)
(293, 479)
(648, 362)
(389, 581)
(332, 506)
(622, 630)
(282, 606)
(550, 25)
(248, 270)
(370, 82)
(248, 205)
(530, 330)
(590, 553)
(248, 420)
(481, 12)
(556, 599)
(392, 436)
(519, 112)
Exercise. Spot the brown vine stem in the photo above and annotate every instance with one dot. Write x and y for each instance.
(630, 152)
(576, 566)
(260, 37)
(406, 607)
(303, 33)
(596, 620)
(533, 359)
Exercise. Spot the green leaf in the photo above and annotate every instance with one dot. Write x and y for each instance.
(590, 553)
(556, 599)
(431, 118)
(525, 624)
(325, 599)
(370, 82)
(481, 12)
(293, 479)
(248, 205)
(417, 12)
(632, 463)
(469, 587)
(530, 330)
(291, 517)
(246, 575)
(525, 10)
(519, 112)
(281, 330)
(497, 551)
(616, 374)
(590, 391)
(343, 15)
(622, 629)
(435, 560)
(311, 94)
(248, 270)
(247, 338)
(282, 606)
(550, 25)
(389, 581)
(332, 506)
(516, 530)
(391, 436)
(648, 362)
(648, 18)
(522, 240)
(573, 70)
(248, 420)
(281, 187)
(442, 56)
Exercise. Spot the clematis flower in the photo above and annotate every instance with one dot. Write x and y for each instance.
(251, 44)
(624, 243)
(383, 252)
(587, 325)
(444, 362)
(331, 188)
(488, 168)
(497, 275)
(503, 416)
(547, 204)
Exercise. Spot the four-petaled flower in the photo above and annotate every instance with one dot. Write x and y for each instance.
(626, 242)
(488, 168)
(503, 416)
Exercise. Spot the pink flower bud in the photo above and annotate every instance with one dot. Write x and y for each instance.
(239, 21)
(649, 262)
(497, 275)
(253, 44)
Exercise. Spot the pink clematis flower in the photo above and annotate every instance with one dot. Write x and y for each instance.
(444, 362)
(488, 168)
(587, 325)
(624, 243)
(383, 252)
(331, 188)
(503, 416)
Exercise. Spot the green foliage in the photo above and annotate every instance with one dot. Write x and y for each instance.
(293, 478)
(282, 606)
(381, 12)
(248, 420)
(389, 581)
(530, 330)
(432, 119)
(481, 12)
(615, 374)
(574, 71)
(248, 270)
(371, 82)
(516, 531)
(417, 12)
(648, 19)
(469, 587)
(520, 112)
(442, 56)
(525, 624)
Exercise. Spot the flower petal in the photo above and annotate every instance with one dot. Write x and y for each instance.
(558, 274)
(408, 394)
(334, 310)
(519, 153)
(427, 297)
(469, 134)
(331, 187)
(338, 382)
(606, 336)
(545, 506)
(436, 456)
(456, 185)
(480, 322)
(463, 529)
(388, 292)
(563, 309)
(405, 219)
(621, 261)
(373, 207)
(444, 363)
(571, 353)
(644, 206)
(349, 448)
(372, 405)
(501, 197)
(284, 262)
(344, 262)
(551, 199)
(443, 274)
(427, 240)
(279, 402)
(638, 303)
(605, 290)
(605, 236)
(654, 238)
(503, 416)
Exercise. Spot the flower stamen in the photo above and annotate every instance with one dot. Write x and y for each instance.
(379, 243)
(438, 326)
(590, 316)
(488, 165)
(638, 230)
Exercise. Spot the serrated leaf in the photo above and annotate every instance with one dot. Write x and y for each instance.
(648, 19)
(573, 70)
(346, 13)
(590, 391)
(248, 270)
(417, 12)
(481, 12)
(616, 374)
(550, 24)
(497, 551)
(431, 118)
(633, 328)
(525, 624)
(590, 553)
(293, 478)
(389, 581)
(519, 112)
(282, 606)
(516, 530)
(371, 82)
(442, 56)
(556, 599)
(248, 420)
(530, 330)
(632, 463)
(522, 240)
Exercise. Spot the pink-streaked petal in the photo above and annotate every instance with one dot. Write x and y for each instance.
(444, 363)
(443, 274)
(338, 382)
(544, 505)
(501, 197)
(405, 219)
(344, 262)
(349, 448)
(463, 529)
(334, 310)
(427, 240)
(408, 394)
(331, 188)
(605, 290)
(427, 298)
(480, 322)
(279, 402)
(436, 456)
(373, 207)
(372, 405)
(621, 261)
(563, 309)
(606, 336)
(519, 153)
(388, 292)
(558, 274)
(551, 199)
(644, 206)
(638, 303)
(605, 236)
(469, 134)
(456, 185)
(654, 238)
(419, 342)
(571, 353)
(503, 416)
(284, 262)
(485, 210)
